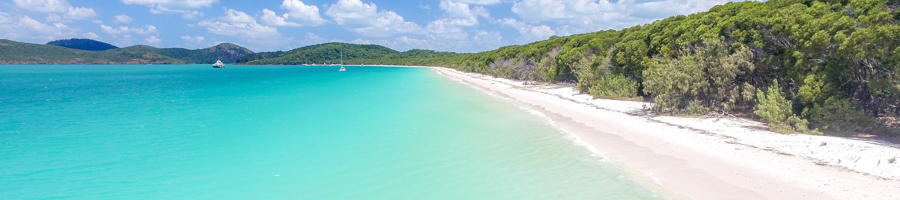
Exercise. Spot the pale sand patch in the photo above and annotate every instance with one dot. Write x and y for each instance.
(692, 158)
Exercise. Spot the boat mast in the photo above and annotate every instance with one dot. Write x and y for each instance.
(342, 55)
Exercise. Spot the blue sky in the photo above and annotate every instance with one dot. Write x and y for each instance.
(271, 25)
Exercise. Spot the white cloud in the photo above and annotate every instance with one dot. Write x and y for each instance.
(172, 3)
(122, 19)
(26, 28)
(480, 2)
(80, 13)
(460, 14)
(5, 18)
(311, 39)
(528, 32)
(91, 35)
(411, 43)
(402, 43)
(195, 39)
(364, 19)
(235, 16)
(489, 40)
(153, 40)
(196, 42)
(269, 17)
(361, 41)
(56, 7)
(149, 29)
(447, 32)
(184, 7)
(239, 24)
(300, 13)
(594, 15)
(47, 6)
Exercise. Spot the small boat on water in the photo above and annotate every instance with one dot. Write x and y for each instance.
(219, 64)
(342, 61)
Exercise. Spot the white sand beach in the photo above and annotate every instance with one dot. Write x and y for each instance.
(708, 158)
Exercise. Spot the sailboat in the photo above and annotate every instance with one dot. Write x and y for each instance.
(219, 64)
(342, 61)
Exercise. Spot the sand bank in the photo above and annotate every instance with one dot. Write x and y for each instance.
(696, 158)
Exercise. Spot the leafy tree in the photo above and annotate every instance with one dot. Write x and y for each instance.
(774, 109)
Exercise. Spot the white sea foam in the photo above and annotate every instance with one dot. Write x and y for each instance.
(575, 139)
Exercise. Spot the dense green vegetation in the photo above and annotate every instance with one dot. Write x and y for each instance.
(353, 54)
(83, 44)
(12, 52)
(801, 65)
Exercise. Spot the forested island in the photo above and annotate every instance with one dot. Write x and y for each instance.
(803, 66)
(86, 51)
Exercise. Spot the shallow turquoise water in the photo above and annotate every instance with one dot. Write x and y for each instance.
(280, 132)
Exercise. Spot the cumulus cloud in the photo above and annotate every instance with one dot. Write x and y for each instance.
(172, 3)
(365, 19)
(269, 17)
(528, 32)
(311, 39)
(239, 24)
(195, 39)
(153, 40)
(146, 30)
(48, 6)
(299, 14)
(122, 19)
(187, 8)
(26, 28)
(461, 14)
(480, 2)
(195, 42)
(58, 10)
(451, 31)
(488, 39)
(91, 35)
(404, 43)
(594, 15)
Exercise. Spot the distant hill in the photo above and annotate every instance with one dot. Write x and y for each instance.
(12, 52)
(83, 44)
(226, 52)
(331, 53)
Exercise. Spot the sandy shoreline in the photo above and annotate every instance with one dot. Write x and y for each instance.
(691, 158)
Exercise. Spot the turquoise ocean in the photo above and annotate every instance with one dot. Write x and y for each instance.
(281, 132)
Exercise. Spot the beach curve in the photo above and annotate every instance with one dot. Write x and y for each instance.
(690, 158)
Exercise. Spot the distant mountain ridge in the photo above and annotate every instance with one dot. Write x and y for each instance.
(353, 54)
(12, 52)
(83, 44)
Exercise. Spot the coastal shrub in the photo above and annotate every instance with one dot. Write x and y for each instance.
(591, 69)
(707, 76)
(728, 89)
(586, 73)
(695, 108)
(540, 71)
(615, 87)
(838, 116)
(776, 110)
(812, 91)
(674, 83)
